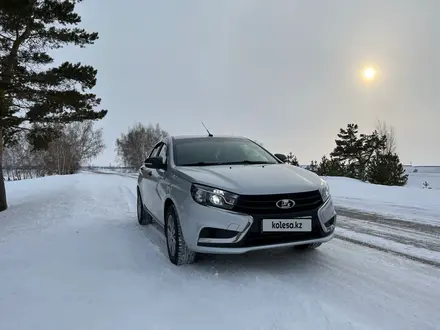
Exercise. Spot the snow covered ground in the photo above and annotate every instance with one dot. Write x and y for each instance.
(405, 220)
(416, 180)
(73, 257)
(408, 203)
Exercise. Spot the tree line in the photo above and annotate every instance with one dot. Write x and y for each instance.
(367, 157)
(77, 144)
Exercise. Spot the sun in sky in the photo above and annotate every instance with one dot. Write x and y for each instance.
(369, 73)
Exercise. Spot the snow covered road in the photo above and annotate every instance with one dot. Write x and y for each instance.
(72, 256)
(417, 241)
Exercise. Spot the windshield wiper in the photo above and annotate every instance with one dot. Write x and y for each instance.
(201, 164)
(250, 162)
(245, 162)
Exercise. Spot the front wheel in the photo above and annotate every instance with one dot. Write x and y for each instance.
(310, 246)
(178, 251)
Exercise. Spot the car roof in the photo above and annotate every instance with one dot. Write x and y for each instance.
(183, 137)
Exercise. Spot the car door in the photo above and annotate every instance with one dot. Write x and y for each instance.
(147, 180)
(160, 185)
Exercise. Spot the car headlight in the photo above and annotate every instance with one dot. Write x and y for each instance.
(324, 190)
(213, 197)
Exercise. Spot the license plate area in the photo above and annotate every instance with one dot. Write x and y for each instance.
(295, 225)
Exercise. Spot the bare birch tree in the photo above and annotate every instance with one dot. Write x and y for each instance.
(132, 148)
(77, 144)
(387, 130)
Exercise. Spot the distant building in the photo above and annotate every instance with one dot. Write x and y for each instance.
(422, 169)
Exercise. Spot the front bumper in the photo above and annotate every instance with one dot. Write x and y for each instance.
(219, 231)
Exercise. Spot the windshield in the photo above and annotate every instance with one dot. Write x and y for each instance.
(219, 151)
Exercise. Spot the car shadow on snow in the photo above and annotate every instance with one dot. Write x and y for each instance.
(278, 260)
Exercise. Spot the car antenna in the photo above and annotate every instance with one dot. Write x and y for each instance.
(209, 133)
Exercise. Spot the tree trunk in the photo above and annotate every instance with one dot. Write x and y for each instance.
(3, 201)
(5, 80)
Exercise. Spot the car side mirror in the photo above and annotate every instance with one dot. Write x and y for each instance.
(281, 157)
(155, 163)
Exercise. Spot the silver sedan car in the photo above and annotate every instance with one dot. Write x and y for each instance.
(229, 195)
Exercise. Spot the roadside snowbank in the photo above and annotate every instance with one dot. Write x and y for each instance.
(405, 203)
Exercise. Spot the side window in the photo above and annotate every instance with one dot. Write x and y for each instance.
(164, 154)
(155, 150)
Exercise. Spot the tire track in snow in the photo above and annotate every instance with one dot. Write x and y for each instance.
(129, 198)
(388, 250)
(399, 237)
(152, 232)
(382, 219)
(125, 175)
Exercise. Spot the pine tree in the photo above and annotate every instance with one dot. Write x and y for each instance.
(330, 167)
(313, 167)
(386, 169)
(292, 160)
(355, 151)
(32, 96)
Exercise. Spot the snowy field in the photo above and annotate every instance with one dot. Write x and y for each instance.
(412, 203)
(72, 256)
(416, 180)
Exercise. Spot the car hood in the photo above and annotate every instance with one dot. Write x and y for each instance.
(253, 179)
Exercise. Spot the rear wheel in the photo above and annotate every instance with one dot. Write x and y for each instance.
(178, 251)
(310, 246)
(143, 217)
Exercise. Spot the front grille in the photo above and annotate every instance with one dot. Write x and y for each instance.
(266, 204)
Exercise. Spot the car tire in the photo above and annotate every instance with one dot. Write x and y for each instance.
(310, 246)
(143, 217)
(178, 251)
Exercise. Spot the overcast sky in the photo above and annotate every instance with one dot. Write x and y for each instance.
(283, 72)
